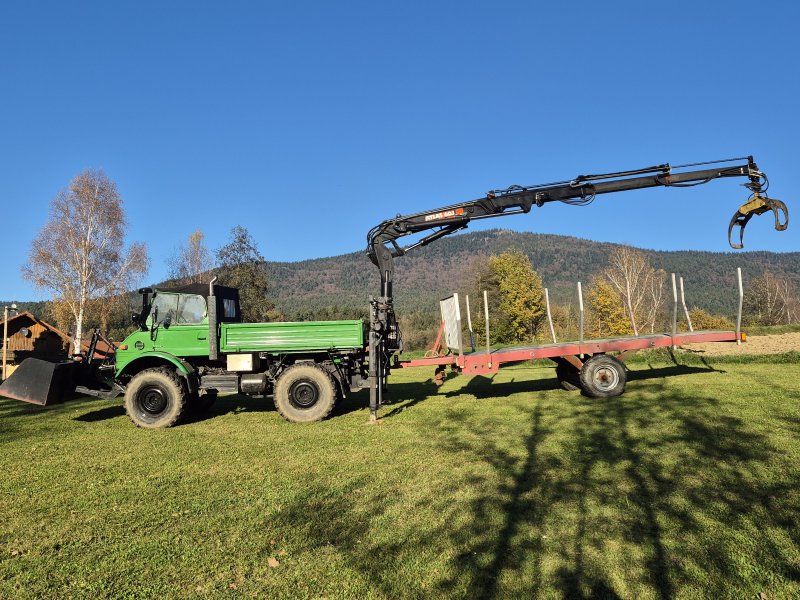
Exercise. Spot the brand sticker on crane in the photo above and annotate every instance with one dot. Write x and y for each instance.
(445, 214)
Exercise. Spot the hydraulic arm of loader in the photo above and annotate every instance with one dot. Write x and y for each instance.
(43, 382)
(382, 246)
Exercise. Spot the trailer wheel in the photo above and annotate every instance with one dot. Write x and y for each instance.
(603, 376)
(568, 376)
(155, 398)
(305, 393)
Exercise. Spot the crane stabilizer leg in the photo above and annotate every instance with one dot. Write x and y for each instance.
(757, 205)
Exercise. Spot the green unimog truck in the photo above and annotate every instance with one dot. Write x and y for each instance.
(192, 346)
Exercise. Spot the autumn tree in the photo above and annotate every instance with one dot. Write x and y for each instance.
(516, 297)
(110, 313)
(770, 300)
(606, 311)
(80, 252)
(192, 261)
(242, 266)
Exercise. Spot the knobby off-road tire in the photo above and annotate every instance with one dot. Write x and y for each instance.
(305, 393)
(603, 376)
(155, 398)
(568, 376)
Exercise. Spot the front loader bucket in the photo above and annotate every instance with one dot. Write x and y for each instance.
(41, 382)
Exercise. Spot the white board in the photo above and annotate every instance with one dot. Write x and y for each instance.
(451, 315)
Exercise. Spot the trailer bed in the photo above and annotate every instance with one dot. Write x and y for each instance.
(490, 362)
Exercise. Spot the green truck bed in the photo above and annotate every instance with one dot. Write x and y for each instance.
(291, 337)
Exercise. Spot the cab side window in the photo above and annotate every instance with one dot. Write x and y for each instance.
(191, 309)
(229, 308)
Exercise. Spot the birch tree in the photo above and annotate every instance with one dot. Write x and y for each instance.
(641, 288)
(770, 300)
(656, 297)
(80, 252)
(192, 261)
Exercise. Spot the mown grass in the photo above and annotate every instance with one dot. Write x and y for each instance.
(505, 486)
(771, 329)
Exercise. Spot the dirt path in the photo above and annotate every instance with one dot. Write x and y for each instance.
(761, 344)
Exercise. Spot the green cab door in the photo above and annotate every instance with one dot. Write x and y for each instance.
(181, 324)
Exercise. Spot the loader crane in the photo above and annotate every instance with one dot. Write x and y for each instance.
(383, 247)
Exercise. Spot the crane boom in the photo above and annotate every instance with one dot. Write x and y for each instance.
(382, 246)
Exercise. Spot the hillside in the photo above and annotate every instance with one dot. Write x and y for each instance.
(339, 286)
(343, 283)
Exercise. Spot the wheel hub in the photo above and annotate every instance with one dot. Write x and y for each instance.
(152, 400)
(304, 394)
(606, 378)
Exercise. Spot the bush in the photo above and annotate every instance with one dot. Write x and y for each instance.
(704, 320)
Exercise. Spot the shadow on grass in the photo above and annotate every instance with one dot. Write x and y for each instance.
(483, 387)
(402, 396)
(109, 412)
(673, 371)
(10, 408)
(627, 437)
(654, 493)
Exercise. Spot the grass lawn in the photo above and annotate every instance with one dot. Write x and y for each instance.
(687, 486)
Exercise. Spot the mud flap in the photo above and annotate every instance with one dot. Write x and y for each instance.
(41, 382)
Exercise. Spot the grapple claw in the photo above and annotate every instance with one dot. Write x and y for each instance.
(740, 220)
(757, 205)
(777, 207)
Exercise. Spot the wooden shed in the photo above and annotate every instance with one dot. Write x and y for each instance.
(29, 336)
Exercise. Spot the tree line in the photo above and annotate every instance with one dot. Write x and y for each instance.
(628, 296)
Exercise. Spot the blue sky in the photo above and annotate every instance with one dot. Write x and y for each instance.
(310, 122)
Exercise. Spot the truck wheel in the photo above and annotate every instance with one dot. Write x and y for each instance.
(155, 398)
(305, 393)
(603, 376)
(568, 376)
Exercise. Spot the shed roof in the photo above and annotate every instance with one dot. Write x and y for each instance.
(25, 315)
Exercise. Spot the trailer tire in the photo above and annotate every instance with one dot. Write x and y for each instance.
(603, 376)
(305, 393)
(568, 376)
(155, 398)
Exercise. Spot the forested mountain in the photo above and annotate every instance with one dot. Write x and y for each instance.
(341, 285)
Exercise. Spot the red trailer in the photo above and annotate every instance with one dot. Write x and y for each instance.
(594, 366)
(584, 365)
